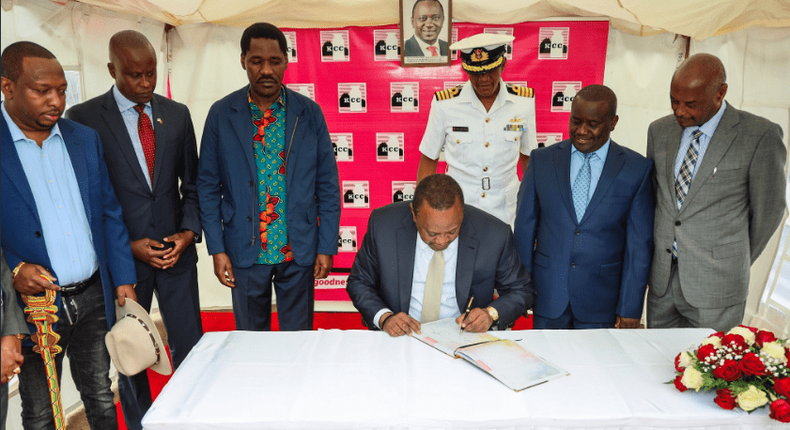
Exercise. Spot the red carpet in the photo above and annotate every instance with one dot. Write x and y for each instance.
(223, 321)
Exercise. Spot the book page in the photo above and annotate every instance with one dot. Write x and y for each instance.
(511, 364)
(444, 335)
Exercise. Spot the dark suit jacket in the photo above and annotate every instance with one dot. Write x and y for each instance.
(732, 208)
(598, 264)
(22, 237)
(227, 177)
(159, 213)
(381, 276)
(412, 48)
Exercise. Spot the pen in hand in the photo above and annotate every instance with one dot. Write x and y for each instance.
(466, 314)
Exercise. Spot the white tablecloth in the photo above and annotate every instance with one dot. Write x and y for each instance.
(367, 380)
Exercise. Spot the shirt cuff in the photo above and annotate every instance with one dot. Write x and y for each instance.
(377, 318)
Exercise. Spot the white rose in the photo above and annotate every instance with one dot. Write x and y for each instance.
(751, 399)
(747, 334)
(713, 340)
(685, 359)
(692, 378)
(775, 351)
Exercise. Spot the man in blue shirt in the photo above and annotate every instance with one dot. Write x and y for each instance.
(584, 225)
(62, 230)
(151, 155)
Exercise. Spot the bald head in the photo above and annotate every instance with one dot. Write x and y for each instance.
(133, 65)
(698, 89)
(128, 39)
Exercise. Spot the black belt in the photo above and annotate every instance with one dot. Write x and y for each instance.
(79, 287)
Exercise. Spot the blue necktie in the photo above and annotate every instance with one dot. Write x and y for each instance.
(581, 188)
(683, 181)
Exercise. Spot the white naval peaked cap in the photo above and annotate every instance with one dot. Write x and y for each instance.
(487, 41)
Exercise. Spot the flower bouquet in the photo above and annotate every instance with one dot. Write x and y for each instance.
(746, 366)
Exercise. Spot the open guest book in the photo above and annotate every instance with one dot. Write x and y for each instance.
(503, 359)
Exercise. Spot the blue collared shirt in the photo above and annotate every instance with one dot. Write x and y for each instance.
(597, 160)
(685, 141)
(67, 234)
(130, 118)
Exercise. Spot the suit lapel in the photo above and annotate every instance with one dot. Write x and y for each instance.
(241, 121)
(467, 254)
(112, 117)
(717, 147)
(673, 137)
(159, 112)
(611, 167)
(406, 241)
(76, 153)
(293, 110)
(12, 167)
(562, 166)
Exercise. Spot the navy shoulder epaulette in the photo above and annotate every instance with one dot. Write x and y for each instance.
(448, 93)
(520, 91)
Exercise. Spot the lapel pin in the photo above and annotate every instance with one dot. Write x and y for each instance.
(159, 120)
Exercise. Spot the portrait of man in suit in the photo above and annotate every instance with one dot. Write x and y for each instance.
(428, 44)
(584, 225)
(720, 195)
(151, 154)
(421, 261)
(62, 230)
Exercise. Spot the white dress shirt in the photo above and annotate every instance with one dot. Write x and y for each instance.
(422, 259)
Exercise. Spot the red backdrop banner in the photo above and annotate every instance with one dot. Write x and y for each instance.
(376, 110)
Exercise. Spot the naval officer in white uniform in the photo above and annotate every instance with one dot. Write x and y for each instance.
(485, 127)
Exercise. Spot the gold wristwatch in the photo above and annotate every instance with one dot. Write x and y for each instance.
(492, 312)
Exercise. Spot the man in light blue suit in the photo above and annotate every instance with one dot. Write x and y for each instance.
(267, 174)
(584, 225)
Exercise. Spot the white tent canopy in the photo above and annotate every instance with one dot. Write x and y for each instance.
(698, 19)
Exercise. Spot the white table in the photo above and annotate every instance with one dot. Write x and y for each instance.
(367, 380)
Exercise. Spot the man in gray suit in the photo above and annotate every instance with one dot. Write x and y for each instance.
(720, 187)
(14, 329)
(422, 261)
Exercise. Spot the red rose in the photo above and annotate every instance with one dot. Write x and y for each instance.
(678, 367)
(752, 365)
(719, 334)
(780, 410)
(763, 336)
(725, 399)
(706, 351)
(679, 385)
(729, 371)
(734, 341)
(787, 354)
(752, 329)
(782, 387)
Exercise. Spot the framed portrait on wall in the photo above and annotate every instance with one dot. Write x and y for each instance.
(425, 29)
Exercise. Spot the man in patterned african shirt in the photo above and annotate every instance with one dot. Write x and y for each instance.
(268, 190)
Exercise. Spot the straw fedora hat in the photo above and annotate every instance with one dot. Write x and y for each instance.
(134, 342)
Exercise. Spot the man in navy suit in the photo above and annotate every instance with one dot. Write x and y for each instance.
(160, 210)
(427, 19)
(62, 230)
(391, 282)
(584, 225)
(268, 190)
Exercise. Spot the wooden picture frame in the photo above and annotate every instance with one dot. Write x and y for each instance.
(419, 35)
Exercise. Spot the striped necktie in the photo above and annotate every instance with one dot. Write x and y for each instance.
(686, 174)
